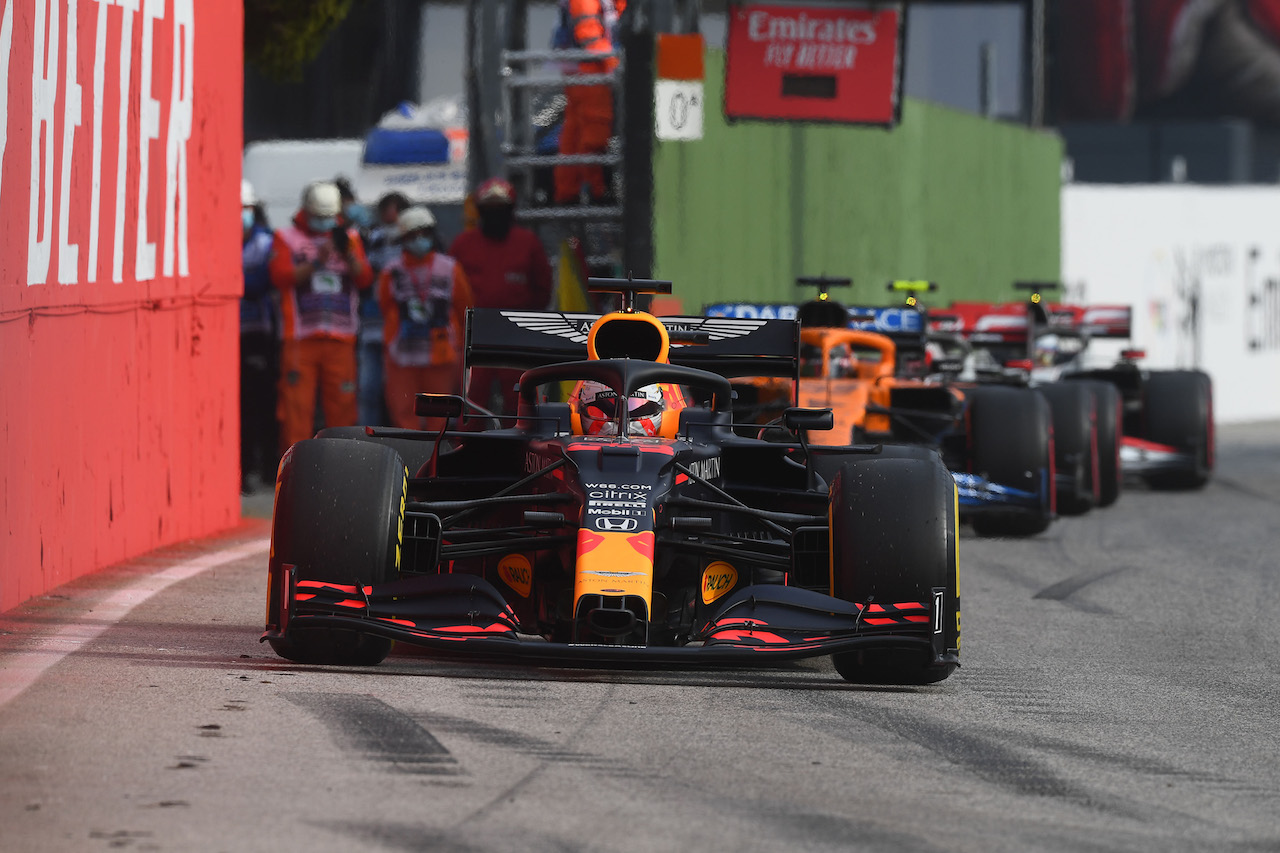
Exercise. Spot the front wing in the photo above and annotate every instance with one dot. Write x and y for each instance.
(1139, 456)
(465, 614)
(978, 494)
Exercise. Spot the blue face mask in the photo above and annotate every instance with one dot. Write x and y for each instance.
(419, 246)
(322, 223)
(358, 215)
(246, 217)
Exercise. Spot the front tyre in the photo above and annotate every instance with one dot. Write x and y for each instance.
(1109, 421)
(338, 518)
(1075, 445)
(415, 452)
(894, 539)
(1010, 433)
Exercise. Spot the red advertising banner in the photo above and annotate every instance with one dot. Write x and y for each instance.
(120, 146)
(814, 63)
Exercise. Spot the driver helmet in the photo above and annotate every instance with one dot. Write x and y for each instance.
(842, 363)
(597, 406)
(1046, 352)
(810, 361)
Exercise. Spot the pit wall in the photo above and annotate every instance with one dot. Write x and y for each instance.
(967, 202)
(119, 282)
(1201, 268)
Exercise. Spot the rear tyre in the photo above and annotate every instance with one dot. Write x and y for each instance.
(1109, 421)
(1011, 444)
(338, 518)
(894, 539)
(1178, 411)
(1075, 445)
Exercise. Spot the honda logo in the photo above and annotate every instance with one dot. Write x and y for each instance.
(617, 525)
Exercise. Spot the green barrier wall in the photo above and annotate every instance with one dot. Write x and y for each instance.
(946, 196)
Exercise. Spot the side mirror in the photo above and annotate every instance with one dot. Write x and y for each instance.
(438, 405)
(797, 419)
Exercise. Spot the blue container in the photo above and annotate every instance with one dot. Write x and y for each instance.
(411, 146)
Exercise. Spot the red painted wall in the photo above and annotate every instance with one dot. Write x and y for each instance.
(118, 298)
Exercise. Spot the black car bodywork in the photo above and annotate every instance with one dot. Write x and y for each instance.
(526, 540)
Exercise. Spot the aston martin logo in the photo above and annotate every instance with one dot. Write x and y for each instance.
(716, 328)
(577, 327)
(574, 327)
(614, 574)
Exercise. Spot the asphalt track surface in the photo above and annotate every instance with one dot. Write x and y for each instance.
(1120, 691)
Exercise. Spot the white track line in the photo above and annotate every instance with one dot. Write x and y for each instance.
(20, 670)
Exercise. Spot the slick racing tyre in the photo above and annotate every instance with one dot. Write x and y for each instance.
(1178, 411)
(1109, 421)
(1075, 445)
(338, 518)
(894, 539)
(828, 465)
(414, 452)
(1011, 444)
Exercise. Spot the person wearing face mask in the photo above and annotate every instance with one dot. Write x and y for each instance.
(319, 266)
(382, 246)
(259, 346)
(424, 295)
(507, 268)
(356, 214)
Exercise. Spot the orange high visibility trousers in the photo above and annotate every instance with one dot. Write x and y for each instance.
(588, 124)
(324, 364)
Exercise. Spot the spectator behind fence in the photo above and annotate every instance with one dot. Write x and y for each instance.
(259, 349)
(424, 296)
(319, 266)
(383, 246)
(507, 268)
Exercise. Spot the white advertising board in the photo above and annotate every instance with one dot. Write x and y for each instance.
(678, 109)
(1201, 268)
(433, 183)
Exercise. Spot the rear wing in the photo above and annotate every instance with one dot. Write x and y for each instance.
(724, 345)
(995, 323)
(1098, 321)
(894, 321)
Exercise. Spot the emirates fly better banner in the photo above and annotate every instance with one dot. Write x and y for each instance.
(815, 63)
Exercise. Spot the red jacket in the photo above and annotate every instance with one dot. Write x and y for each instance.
(592, 23)
(512, 273)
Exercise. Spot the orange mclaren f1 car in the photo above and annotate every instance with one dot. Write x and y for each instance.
(874, 368)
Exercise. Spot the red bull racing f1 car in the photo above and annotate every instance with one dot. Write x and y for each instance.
(538, 535)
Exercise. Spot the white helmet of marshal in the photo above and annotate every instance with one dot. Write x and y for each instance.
(597, 407)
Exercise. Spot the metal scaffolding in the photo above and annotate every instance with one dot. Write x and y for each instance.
(515, 96)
